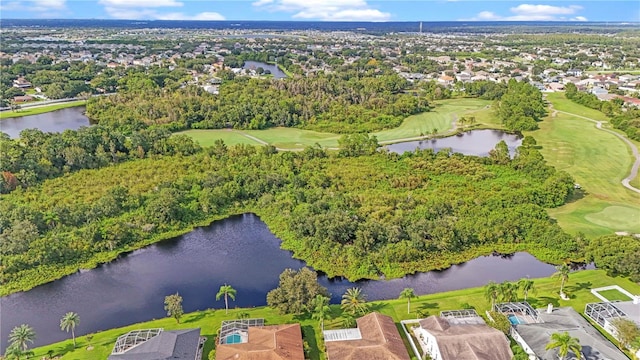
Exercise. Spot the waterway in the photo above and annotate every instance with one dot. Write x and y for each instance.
(475, 142)
(275, 71)
(240, 251)
(54, 121)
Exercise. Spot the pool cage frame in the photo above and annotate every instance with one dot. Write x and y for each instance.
(516, 308)
(134, 338)
(239, 325)
(465, 316)
(603, 312)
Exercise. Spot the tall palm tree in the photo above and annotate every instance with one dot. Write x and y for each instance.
(491, 292)
(69, 321)
(354, 301)
(228, 292)
(508, 291)
(562, 272)
(526, 285)
(21, 336)
(320, 309)
(408, 293)
(565, 343)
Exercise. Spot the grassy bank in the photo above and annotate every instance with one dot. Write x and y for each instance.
(99, 345)
(40, 109)
(441, 118)
(597, 161)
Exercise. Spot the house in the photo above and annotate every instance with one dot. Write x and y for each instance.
(534, 335)
(157, 344)
(375, 338)
(23, 98)
(446, 80)
(555, 86)
(574, 72)
(249, 339)
(599, 91)
(21, 83)
(461, 335)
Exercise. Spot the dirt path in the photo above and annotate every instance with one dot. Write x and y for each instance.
(634, 150)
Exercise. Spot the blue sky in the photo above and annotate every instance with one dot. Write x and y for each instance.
(325, 10)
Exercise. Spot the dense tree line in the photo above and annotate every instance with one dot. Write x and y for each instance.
(345, 102)
(619, 255)
(627, 120)
(356, 214)
(36, 155)
(521, 107)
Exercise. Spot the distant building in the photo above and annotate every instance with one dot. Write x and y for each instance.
(461, 335)
(574, 72)
(21, 83)
(22, 98)
(157, 344)
(375, 338)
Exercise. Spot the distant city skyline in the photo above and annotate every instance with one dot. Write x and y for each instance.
(325, 10)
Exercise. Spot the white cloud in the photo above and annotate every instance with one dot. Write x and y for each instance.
(34, 5)
(151, 14)
(529, 12)
(327, 10)
(140, 3)
(147, 10)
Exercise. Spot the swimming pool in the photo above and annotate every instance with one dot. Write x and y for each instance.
(233, 339)
(515, 320)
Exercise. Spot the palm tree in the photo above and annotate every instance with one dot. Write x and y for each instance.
(354, 301)
(69, 321)
(14, 352)
(526, 285)
(565, 343)
(228, 292)
(562, 272)
(21, 335)
(348, 321)
(491, 291)
(508, 291)
(320, 309)
(408, 293)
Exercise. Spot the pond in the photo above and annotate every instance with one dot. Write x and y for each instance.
(475, 142)
(240, 251)
(54, 121)
(275, 71)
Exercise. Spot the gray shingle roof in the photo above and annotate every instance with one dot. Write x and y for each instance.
(174, 345)
(594, 345)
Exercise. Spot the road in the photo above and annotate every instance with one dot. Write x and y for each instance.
(634, 150)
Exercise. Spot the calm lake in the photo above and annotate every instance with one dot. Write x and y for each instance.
(277, 73)
(240, 251)
(475, 142)
(54, 121)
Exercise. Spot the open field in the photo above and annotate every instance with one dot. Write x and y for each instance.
(578, 288)
(622, 72)
(598, 161)
(40, 109)
(560, 102)
(441, 118)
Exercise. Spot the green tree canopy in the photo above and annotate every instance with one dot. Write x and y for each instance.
(296, 291)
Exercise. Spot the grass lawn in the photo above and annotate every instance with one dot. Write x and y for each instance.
(614, 294)
(560, 102)
(597, 161)
(578, 288)
(208, 137)
(40, 110)
(440, 118)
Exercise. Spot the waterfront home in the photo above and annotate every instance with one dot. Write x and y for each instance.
(250, 339)
(157, 344)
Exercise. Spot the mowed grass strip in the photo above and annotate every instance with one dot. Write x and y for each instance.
(598, 161)
(40, 110)
(99, 345)
(441, 118)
